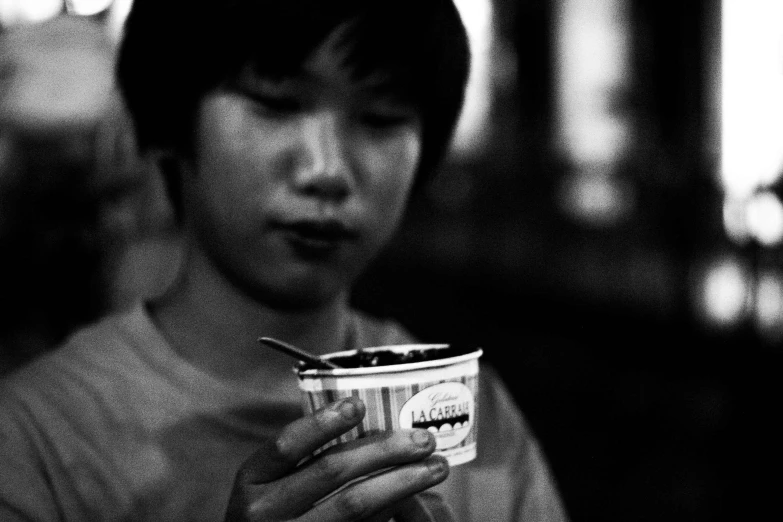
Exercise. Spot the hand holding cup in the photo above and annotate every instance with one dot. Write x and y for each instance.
(373, 478)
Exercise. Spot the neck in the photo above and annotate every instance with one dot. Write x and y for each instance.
(216, 327)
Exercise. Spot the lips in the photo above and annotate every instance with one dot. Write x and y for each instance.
(317, 237)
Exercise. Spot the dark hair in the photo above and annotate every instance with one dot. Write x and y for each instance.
(175, 51)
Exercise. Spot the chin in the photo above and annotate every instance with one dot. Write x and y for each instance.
(296, 297)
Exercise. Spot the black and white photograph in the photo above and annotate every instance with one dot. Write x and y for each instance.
(391, 260)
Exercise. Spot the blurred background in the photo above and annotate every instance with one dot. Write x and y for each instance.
(608, 228)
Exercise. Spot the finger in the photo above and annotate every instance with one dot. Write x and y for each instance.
(300, 439)
(339, 465)
(378, 493)
(427, 506)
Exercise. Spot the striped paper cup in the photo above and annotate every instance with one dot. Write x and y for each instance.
(431, 386)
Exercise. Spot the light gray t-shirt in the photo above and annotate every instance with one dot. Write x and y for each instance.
(114, 425)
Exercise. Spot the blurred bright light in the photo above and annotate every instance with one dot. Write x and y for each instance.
(118, 13)
(28, 11)
(769, 302)
(592, 49)
(596, 197)
(752, 94)
(87, 7)
(735, 219)
(471, 129)
(725, 292)
(765, 218)
(758, 216)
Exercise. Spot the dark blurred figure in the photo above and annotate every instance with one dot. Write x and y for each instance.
(73, 191)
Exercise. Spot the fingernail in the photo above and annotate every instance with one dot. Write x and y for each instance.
(437, 467)
(348, 410)
(420, 438)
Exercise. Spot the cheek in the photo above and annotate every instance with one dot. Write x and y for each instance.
(223, 140)
(393, 165)
(229, 159)
(393, 168)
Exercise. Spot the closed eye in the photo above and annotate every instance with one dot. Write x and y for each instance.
(384, 120)
(275, 105)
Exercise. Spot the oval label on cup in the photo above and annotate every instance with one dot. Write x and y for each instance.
(445, 409)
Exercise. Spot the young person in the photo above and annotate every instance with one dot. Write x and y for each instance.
(291, 134)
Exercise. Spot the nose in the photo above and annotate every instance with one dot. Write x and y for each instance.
(323, 170)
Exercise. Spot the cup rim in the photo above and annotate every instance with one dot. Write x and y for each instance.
(391, 368)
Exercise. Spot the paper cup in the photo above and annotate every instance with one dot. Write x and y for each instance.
(430, 386)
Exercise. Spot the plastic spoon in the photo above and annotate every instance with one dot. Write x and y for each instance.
(298, 353)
